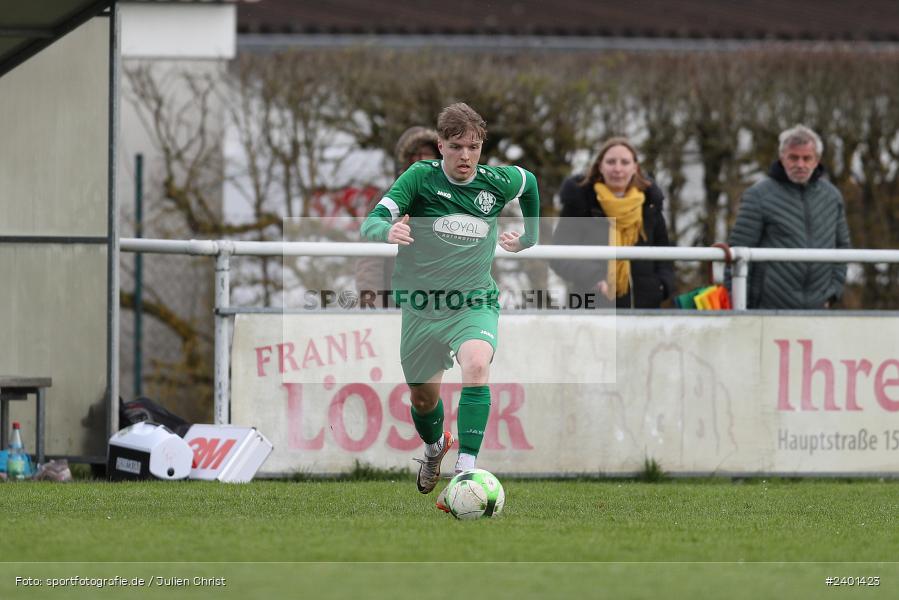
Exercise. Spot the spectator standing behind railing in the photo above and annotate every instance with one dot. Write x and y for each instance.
(373, 273)
(614, 187)
(793, 207)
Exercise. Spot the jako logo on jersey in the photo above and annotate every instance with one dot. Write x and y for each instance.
(485, 201)
(461, 229)
(487, 333)
(444, 194)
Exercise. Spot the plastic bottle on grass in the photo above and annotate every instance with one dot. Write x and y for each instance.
(17, 463)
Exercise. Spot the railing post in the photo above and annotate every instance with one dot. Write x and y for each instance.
(739, 280)
(222, 397)
(138, 276)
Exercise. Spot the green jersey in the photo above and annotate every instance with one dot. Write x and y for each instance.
(454, 226)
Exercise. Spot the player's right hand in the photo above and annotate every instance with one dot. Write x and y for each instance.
(400, 232)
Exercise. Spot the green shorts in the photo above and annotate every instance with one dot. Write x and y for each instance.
(428, 346)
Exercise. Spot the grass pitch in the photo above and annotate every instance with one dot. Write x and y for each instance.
(333, 539)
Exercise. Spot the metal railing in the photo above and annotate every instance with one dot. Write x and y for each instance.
(223, 250)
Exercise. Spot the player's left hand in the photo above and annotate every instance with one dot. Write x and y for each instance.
(509, 241)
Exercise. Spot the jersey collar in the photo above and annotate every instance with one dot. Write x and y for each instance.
(453, 181)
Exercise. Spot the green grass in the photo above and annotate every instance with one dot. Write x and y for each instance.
(629, 532)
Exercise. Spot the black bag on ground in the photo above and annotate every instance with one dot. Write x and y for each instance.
(145, 409)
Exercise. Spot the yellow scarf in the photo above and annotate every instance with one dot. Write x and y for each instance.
(627, 213)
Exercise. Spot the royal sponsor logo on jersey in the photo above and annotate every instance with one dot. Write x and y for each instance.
(485, 201)
(444, 194)
(461, 229)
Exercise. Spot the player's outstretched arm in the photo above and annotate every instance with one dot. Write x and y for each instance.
(513, 241)
(389, 220)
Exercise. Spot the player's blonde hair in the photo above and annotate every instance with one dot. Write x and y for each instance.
(456, 119)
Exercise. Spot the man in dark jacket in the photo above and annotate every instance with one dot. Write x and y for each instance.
(793, 207)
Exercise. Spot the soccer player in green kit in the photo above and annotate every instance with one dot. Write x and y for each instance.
(443, 215)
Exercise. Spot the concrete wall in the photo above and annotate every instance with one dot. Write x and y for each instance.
(53, 182)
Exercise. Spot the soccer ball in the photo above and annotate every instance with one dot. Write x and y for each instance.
(475, 494)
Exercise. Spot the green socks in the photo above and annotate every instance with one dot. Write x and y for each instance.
(474, 408)
(430, 425)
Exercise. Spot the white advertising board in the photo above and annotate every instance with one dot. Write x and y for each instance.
(726, 394)
(226, 453)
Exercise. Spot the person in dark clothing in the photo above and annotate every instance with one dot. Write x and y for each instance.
(373, 273)
(614, 187)
(793, 207)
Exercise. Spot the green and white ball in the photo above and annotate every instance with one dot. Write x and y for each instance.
(475, 494)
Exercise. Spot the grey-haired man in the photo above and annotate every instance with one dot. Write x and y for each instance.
(793, 207)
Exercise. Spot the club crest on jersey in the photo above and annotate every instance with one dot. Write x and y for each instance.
(485, 201)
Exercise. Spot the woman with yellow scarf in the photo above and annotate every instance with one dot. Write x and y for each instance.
(613, 204)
